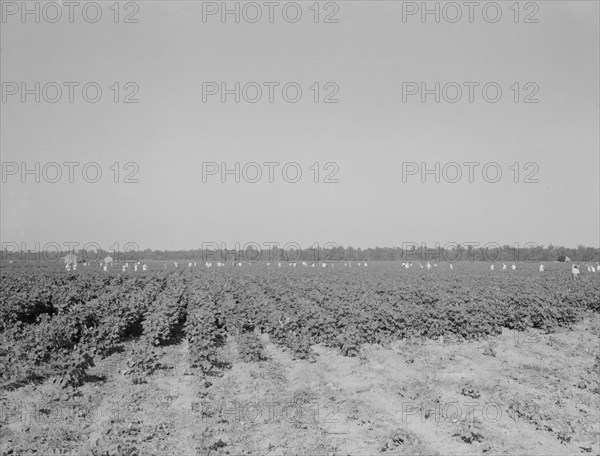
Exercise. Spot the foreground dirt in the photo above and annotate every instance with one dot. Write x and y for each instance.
(521, 393)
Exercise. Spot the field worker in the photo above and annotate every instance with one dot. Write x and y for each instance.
(105, 268)
(575, 270)
(428, 266)
(593, 270)
(406, 266)
(359, 264)
(312, 265)
(68, 266)
(451, 267)
(503, 267)
(541, 268)
(365, 265)
(194, 263)
(324, 265)
(144, 267)
(514, 266)
(492, 267)
(278, 265)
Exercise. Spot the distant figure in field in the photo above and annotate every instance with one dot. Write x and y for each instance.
(503, 267)
(541, 268)
(513, 267)
(492, 267)
(575, 270)
(451, 267)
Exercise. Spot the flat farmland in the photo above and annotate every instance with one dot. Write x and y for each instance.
(267, 360)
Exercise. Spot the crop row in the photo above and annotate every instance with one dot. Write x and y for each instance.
(56, 324)
(64, 341)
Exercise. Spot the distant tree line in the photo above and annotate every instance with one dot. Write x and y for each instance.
(331, 252)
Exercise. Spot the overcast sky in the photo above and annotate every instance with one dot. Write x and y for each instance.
(370, 134)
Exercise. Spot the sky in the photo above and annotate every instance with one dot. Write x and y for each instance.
(370, 141)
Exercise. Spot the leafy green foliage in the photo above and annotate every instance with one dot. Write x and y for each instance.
(54, 324)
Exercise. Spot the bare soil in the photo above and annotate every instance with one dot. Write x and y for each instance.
(520, 393)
